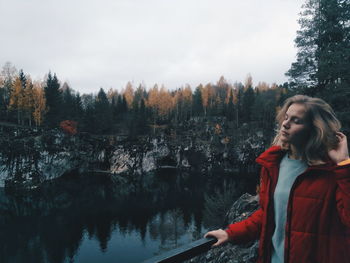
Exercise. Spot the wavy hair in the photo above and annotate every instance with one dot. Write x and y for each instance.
(323, 127)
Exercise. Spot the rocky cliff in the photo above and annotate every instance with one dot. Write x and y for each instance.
(29, 157)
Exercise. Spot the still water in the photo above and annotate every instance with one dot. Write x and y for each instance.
(96, 218)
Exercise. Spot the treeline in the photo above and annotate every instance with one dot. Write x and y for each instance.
(321, 69)
(134, 109)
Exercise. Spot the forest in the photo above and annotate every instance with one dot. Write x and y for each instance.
(322, 69)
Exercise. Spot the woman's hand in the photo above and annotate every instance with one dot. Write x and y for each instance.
(341, 152)
(220, 235)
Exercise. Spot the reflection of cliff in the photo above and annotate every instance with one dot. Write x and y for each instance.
(49, 224)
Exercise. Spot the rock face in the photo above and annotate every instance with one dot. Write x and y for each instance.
(229, 253)
(31, 157)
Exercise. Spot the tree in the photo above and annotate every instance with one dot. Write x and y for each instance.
(237, 101)
(103, 113)
(183, 102)
(207, 94)
(222, 90)
(197, 101)
(247, 104)
(28, 101)
(78, 107)
(323, 42)
(7, 76)
(39, 103)
(53, 101)
(17, 96)
(138, 97)
(230, 106)
(68, 103)
(165, 103)
(129, 94)
(152, 102)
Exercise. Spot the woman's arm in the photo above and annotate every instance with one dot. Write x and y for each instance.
(246, 230)
(340, 155)
(241, 232)
(343, 193)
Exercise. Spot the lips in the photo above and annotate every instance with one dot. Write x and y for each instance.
(284, 133)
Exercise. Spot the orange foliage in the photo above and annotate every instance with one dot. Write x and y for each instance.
(39, 103)
(160, 100)
(129, 94)
(69, 127)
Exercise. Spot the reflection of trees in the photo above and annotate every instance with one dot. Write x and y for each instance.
(30, 240)
(169, 227)
(218, 203)
(49, 225)
(103, 229)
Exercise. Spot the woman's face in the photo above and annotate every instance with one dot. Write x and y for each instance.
(295, 127)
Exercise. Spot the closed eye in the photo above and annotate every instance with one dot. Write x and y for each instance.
(296, 120)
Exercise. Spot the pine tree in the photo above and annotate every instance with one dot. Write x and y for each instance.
(230, 106)
(247, 104)
(68, 103)
(53, 101)
(197, 101)
(7, 76)
(103, 113)
(323, 58)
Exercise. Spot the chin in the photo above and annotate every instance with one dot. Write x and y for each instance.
(284, 139)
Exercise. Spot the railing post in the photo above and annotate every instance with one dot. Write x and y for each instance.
(184, 252)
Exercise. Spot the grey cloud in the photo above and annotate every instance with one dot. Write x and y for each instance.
(107, 43)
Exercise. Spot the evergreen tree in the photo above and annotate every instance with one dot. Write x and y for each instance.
(7, 77)
(78, 108)
(239, 104)
(197, 101)
(230, 107)
(53, 101)
(103, 113)
(323, 58)
(247, 104)
(68, 103)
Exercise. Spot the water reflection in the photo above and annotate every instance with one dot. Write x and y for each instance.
(93, 218)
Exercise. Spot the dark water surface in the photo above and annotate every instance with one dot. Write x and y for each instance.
(95, 218)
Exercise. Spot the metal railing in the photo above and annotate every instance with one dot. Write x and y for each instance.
(184, 252)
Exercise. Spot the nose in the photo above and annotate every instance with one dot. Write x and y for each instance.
(286, 124)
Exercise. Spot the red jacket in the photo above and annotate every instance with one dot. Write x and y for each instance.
(318, 214)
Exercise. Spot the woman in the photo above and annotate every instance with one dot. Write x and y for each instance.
(304, 213)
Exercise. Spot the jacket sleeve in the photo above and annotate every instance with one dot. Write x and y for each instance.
(343, 193)
(246, 230)
(250, 228)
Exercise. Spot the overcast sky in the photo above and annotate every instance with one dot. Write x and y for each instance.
(106, 43)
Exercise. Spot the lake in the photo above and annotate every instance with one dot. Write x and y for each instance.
(98, 218)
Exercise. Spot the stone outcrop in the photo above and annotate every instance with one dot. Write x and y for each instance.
(31, 157)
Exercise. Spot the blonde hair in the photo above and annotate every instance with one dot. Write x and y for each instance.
(323, 127)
